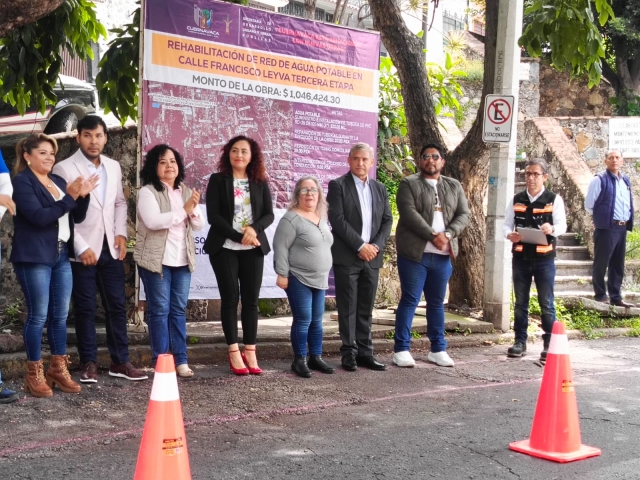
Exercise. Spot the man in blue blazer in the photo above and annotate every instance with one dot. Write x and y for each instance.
(360, 217)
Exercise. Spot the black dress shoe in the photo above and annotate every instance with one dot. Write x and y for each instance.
(300, 368)
(622, 303)
(316, 362)
(349, 363)
(370, 363)
(517, 350)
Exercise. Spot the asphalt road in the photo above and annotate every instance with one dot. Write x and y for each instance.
(426, 422)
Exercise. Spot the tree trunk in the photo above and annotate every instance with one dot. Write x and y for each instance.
(310, 9)
(469, 162)
(336, 12)
(406, 51)
(16, 13)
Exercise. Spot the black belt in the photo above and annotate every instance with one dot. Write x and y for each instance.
(61, 244)
(619, 222)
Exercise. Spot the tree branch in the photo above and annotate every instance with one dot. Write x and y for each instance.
(406, 51)
(16, 13)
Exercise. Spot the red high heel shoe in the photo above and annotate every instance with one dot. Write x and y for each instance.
(237, 371)
(252, 371)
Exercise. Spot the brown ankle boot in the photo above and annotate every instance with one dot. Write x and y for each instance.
(58, 374)
(35, 382)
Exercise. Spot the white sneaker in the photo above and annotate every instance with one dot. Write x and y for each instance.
(403, 359)
(440, 358)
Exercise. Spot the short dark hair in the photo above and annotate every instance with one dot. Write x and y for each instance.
(91, 122)
(541, 162)
(149, 171)
(255, 170)
(433, 145)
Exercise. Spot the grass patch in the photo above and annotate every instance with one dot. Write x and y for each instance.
(584, 320)
(391, 335)
(474, 70)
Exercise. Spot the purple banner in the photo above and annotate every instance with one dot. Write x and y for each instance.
(232, 24)
(305, 91)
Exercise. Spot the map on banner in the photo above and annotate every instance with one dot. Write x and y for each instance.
(306, 91)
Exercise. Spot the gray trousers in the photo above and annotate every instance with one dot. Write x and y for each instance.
(356, 287)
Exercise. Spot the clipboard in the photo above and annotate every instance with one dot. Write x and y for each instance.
(532, 235)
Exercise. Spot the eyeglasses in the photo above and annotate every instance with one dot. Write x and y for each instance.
(305, 191)
(533, 174)
(427, 156)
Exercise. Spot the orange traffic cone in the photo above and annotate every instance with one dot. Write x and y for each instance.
(163, 451)
(555, 434)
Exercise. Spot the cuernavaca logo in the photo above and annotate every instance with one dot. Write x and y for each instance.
(203, 18)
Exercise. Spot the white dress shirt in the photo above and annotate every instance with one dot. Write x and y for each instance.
(101, 189)
(366, 205)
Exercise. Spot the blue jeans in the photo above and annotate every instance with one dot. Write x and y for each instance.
(107, 277)
(431, 276)
(543, 271)
(167, 296)
(307, 307)
(47, 291)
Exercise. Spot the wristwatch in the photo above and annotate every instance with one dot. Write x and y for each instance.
(448, 235)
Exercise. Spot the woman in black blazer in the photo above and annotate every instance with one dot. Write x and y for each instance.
(46, 209)
(239, 210)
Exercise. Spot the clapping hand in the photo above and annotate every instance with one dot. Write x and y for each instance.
(89, 185)
(192, 202)
(74, 188)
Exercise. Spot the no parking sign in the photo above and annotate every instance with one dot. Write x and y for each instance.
(498, 117)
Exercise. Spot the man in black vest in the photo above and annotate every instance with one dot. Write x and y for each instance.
(535, 207)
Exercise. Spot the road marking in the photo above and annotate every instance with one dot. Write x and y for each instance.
(218, 419)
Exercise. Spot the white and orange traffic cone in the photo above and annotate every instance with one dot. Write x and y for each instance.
(555, 433)
(163, 451)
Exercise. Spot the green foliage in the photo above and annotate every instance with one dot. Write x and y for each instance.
(633, 244)
(569, 30)
(391, 181)
(117, 82)
(393, 148)
(444, 85)
(474, 70)
(627, 103)
(30, 56)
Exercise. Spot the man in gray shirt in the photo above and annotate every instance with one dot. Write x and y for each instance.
(360, 217)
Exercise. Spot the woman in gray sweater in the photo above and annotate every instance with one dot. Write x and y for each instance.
(302, 257)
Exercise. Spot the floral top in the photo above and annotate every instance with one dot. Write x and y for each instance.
(242, 214)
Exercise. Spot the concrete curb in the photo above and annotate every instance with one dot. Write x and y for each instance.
(13, 365)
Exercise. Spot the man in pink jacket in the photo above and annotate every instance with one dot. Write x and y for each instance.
(100, 244)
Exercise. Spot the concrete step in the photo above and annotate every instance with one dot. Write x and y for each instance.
(574, 267)
(572, 252)
(626, 294)
(573, 283)
(568, 239)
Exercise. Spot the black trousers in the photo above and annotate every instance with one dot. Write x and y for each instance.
(239, 276)
(356, 287)
(609, 252)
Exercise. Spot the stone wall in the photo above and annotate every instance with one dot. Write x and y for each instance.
(590, 136)
(561, 96)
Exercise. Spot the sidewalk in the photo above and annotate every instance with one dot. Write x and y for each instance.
(207, 346)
